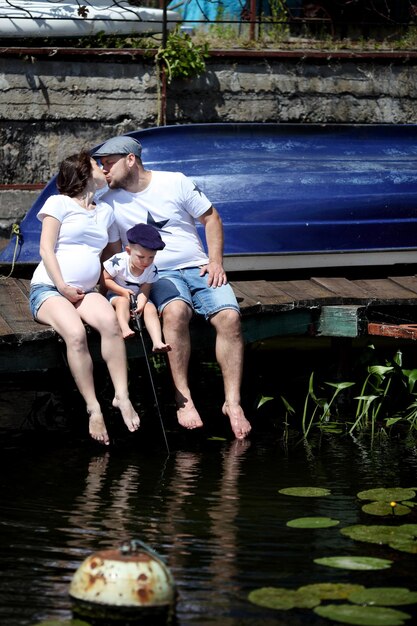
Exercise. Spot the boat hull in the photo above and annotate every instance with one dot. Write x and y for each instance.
(290, 195)
(33, 19)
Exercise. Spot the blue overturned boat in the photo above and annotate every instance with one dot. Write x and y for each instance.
(291, 196)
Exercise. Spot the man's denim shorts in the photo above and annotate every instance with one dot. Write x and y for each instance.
(187, 285)
(38, 294)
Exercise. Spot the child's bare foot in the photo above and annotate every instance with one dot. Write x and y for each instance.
(130, 417)
(160, 346)
(127, 332)
(97, 427)
(188, 416)
(238, 421)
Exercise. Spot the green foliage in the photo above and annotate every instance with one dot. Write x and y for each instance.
(181, 57)
(387, 398)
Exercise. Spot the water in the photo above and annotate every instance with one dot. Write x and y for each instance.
(210, 508)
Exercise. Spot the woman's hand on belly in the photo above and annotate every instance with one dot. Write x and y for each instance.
(73, 294)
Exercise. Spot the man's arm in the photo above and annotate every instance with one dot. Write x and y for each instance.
(213, 226)
(112, 247)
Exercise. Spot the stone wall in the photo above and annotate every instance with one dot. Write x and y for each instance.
(53, 103)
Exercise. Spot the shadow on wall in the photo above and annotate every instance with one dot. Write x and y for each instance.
(182, 105)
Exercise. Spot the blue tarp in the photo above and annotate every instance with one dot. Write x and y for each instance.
(195, 11)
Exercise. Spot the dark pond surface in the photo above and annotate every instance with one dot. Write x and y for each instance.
(210, 508)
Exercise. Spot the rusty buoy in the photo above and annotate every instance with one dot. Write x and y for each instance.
(129, 583)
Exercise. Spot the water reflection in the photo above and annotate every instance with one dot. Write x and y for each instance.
(211, 509)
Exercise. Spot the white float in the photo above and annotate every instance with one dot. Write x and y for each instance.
(132, 582)
(69, 18)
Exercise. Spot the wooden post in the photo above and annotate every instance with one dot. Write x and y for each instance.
(252, 19)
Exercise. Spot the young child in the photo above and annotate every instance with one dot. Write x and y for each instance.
(133, 272)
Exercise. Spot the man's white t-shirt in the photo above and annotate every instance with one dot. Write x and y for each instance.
(81, 239)
(118, 266)
(172, 203)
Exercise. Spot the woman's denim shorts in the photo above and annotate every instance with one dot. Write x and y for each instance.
(38, 294)
(189, 286)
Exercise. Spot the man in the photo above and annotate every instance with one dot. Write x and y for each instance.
(189, 280)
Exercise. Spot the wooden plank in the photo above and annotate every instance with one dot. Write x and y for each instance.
(265, 292)
(14, 308)
(5, 329)
(387, 292)
(344, 288)
(246, 301)
(281, 324)
(408, 282)
(307, 293)
(339, 321)
(396, 331)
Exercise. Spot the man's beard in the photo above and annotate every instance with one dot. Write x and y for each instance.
(122, 182)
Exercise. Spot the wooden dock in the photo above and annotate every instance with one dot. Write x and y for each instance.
(332, 307)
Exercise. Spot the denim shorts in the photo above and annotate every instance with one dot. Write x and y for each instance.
(38, 294)
(187, 285)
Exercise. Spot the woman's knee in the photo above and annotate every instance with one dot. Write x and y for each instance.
(76, 338)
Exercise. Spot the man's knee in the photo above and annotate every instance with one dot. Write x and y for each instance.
(226, 320)
(177, 313)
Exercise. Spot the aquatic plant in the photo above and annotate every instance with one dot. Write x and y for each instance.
(363, 615)
(402, 538)
(384, 385)
(354, 562)
(313, 522)
(358, 611)
(305, 492)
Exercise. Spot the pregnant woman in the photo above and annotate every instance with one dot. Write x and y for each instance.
(63, 287)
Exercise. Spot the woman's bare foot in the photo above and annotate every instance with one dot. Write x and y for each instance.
(188, 416)
(238, 421)
(97, 427)
(160, 346)
(130, 417)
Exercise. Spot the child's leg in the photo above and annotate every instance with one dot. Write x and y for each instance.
(153, 326)
(122, 307)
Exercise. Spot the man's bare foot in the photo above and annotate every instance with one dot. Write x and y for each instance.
(188, 416)
(238, 421)
(160, 346)
(97, 427)
(127, 332)
(130, 417)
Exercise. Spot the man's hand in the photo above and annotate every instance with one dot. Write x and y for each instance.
(216, 274)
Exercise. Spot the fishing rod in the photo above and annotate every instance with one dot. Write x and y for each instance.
(137, 325)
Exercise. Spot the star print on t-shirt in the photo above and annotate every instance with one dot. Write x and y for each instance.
(197, 189)
(158, 225)
(115, 261)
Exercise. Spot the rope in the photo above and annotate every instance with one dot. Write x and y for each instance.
(17, 233)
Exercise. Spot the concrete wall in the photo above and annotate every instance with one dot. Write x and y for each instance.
(53, 104)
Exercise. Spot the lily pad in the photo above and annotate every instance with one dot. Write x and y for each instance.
(384, 596)
(381, 494)
(305, 492)
(362, 615)
(384, 508)
(404, 544)
(332, 591)
(354, 562)
(312, 522)
(283, 599)
(402, 538)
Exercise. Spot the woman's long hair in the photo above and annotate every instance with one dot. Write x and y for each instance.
(74, 173)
